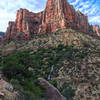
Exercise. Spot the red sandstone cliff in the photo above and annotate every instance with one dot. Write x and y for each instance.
(58, 14)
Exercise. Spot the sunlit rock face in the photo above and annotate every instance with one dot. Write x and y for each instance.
(96, 29)
(26, 23)
(58, 14)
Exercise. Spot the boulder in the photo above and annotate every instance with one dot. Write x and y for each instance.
(1, 96)
(52, 93)
(9, 87)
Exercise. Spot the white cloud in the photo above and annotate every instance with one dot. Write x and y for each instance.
(91, 8)
(95, 19)
(5, 17)
(74, 3)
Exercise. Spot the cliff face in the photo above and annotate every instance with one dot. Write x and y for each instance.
(58, 14)
(26, 24)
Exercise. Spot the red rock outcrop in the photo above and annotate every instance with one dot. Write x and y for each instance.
(96, 29)
(11, 30)
(58, 14)
(26, 24)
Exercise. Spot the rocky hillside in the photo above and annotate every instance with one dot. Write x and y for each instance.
(65, 37)
(68, 59)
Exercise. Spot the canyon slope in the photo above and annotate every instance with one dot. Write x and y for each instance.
(58, 14)
(75, 58)
(50, 55)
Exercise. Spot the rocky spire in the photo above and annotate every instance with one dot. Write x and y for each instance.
(54, 17)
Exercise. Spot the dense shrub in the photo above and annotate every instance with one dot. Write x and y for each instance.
(67, 91)
(16, 67)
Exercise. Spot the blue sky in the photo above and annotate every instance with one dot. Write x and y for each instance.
(8, 9)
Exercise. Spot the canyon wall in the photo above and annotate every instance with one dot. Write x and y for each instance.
(58, 14)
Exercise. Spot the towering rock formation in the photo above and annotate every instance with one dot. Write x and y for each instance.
(26, 21)
(58, 14)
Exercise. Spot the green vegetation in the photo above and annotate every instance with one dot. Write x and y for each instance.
(16, 69)
(23, 68)
(67, 91)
